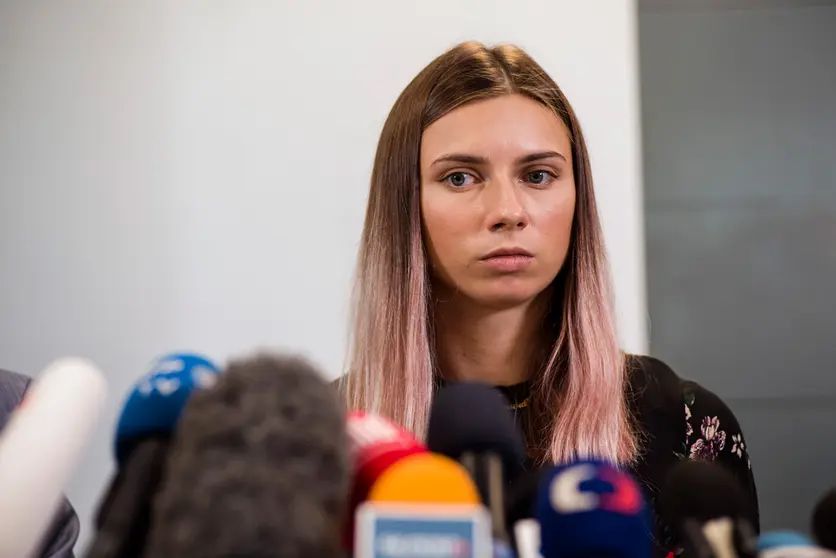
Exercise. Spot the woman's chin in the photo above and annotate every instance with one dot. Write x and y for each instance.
(505, 296)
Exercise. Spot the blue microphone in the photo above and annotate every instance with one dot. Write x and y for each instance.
(590, 508)
(143, 433)
(157, 399)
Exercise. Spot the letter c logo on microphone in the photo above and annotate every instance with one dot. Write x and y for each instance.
(566, 494)
(567, 497)
(625, 497)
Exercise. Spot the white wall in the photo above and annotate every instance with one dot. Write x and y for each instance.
(193, 175)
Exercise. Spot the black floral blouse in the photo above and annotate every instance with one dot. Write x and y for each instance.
(680, 420)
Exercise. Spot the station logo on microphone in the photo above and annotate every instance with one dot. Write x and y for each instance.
(394, 532)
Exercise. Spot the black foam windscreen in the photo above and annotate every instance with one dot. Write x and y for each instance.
(258, 467)
(824, 520)
(701, 491)
(470, 417)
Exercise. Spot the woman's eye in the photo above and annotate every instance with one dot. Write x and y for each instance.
(459, 179)
(539, 177)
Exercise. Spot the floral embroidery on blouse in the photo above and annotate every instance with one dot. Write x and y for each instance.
(712, 442)
(711, 437)
(739, 449)
(689, 430)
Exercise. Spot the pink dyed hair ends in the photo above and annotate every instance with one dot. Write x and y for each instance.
(580, 396)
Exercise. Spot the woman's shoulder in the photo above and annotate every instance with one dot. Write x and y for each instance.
(653, 382)
(684, 420)
(703, 421)
(654, 385)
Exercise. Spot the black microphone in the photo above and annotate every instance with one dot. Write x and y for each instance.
(707, 507)
(142, 439)
(824, 521)
(471, 422)
(258, 467)
(521, 509)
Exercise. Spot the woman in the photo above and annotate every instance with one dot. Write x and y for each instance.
(482, 259)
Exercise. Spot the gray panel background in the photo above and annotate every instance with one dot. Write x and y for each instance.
(739, 126)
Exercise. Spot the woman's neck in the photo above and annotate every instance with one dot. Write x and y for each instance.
(498, 347)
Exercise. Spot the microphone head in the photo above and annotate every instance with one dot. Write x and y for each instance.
(41, 446)
(590, 508)
(789, 544)
(375, 444)
(824, 521)
(425, 478)
(157, 399)
(701, 491)
(258, 467)
(707, 507)
(423, 505)
(782, 539)
(470, 417)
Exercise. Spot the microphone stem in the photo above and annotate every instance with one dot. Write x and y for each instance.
(495, 490)
(489, 469)
(468, 461)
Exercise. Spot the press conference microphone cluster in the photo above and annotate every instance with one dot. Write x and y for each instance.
(707, 508)
(250, 461)
(449, 500)
(258, 467)
(489, 506)
(262, 460)
(704, 502)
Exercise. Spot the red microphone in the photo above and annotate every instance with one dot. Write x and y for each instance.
(375, 444)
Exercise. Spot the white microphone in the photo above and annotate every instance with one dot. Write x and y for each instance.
(527, 537)
(40, 448)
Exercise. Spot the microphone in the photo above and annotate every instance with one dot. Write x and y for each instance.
(520, 514)
(789, 544)
(779, 539)
(707, 507)
(425, 505)
(375, 444)
(426, 478)
(471, 422)
(258, 467)
(592, 509)
(148, 417)
(824, 521)
(40, 448)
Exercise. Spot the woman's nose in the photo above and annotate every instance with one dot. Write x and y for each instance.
(505, 209)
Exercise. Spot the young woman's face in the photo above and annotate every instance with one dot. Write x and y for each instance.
(496, 175)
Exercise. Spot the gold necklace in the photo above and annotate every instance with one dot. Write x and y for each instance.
(522, 404)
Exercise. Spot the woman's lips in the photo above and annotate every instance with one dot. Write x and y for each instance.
(508, 263)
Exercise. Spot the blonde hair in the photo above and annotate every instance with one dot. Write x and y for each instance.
(579, 404)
